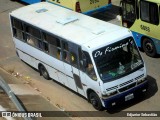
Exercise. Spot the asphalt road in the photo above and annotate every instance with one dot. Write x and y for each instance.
(66, 99)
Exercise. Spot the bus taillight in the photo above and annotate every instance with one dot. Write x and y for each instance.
(78, 9)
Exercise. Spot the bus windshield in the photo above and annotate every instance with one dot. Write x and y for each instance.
(117, 60)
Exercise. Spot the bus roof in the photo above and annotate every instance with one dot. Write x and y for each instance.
(78, 28)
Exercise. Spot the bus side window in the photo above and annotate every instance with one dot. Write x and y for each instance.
(149, 12)
(81, 58)
(89, 68)
(73, 58)
(32, 41)
(53, 45)
(74, 54)
(33, 36)
(33, 31)
(17, 29)
(45, 47)
(65, 54)
(59, 54)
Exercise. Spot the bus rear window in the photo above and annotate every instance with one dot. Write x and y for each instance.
(17, 24)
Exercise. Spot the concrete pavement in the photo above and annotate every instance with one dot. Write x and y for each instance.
(30, 98)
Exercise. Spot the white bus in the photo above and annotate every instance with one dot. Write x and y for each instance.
(96, 59)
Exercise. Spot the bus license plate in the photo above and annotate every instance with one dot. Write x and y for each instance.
(129, 97)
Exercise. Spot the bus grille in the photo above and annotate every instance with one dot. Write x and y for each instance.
(125, 83)
(139, 77)
(112, 88)
(127, 87)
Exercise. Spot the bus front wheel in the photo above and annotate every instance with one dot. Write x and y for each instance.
(149, 47)
(43, 71)
(95, 101)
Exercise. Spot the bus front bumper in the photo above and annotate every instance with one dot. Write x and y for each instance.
(125, 96)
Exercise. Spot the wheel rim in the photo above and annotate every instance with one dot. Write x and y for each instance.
(94, 102)
(149, 47)
(44, 72)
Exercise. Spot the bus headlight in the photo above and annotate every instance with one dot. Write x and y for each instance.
(140, 80)
(110, 93)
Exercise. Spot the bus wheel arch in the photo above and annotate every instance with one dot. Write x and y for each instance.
(148, 46)
(43, 71)
(94, 99)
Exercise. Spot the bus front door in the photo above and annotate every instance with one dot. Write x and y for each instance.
(71, 58)
(78, 77)
(78, 80)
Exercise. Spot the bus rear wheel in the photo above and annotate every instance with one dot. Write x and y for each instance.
(95, 101)
(43, 71)
(149, 47)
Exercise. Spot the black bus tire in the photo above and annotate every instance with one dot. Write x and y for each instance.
(149, 47)
(43, 71)
(95, 101)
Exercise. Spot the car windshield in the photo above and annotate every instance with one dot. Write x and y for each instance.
(117, 60)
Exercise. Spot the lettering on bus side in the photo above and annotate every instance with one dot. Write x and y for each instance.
(143, 27)
(93, 1)
(56, 1)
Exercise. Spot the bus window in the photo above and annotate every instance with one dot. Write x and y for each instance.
(17, 29)
(45, 47)
(53, 46)
(149, 12)
(18, 34)
(32, 41)
(33, 36)
(73, 49)
(73, 58)
(129, 12)
(17, 24)
(117, 59)
(33, 31)
(81, 60)
(59, 54)
(66, 54)
(89, 67)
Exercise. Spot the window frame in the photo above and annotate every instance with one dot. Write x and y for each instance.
(85, 53)
(17, 30)
(151, 4)
(56, 47)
